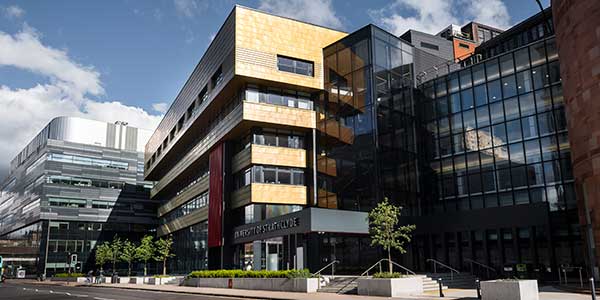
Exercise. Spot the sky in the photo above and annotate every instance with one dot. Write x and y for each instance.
(128, 59)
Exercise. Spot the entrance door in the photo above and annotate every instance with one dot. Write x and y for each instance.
(274, 255)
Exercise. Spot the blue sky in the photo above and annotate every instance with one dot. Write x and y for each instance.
(128, 59)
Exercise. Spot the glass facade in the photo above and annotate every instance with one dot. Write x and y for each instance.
(496, 136)
(365, 120)
(190, 249)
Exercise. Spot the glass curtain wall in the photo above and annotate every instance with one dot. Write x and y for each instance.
(497, 137)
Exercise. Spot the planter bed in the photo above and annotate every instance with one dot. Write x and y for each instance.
(509, 290)
(302, 285)
(390, 287)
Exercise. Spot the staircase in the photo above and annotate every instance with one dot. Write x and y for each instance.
(453, 281)
(430, 284)
(337, 284)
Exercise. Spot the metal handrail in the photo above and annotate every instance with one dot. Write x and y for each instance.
(488, 268)
(437, 262)
(373, 266)
(318, 273)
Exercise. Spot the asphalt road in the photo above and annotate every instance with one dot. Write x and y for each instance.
(22, 291)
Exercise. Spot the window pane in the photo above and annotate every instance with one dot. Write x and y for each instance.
(465, 79)
(494, 91)
(529, 127)
(478, 74)
(480, 95)
(511, 108)
(522, 59)
(455, 103)
(516, 154)
(543, 100)
(467, 99)
(513, 130)
(538, 54)
(469, 119)
(483, 117)
(269, 175)
(509, 88)
(492, 69)
(453, 82)
(524, 83)
(506, 65)
(284, 177)
(540, 77)
(497, 112)
(527, 104)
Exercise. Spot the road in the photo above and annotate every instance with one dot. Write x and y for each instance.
(24, 291)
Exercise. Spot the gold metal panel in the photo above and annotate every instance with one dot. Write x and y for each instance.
(280, 115)
(269, 194)
(278, 156)
(260, 37)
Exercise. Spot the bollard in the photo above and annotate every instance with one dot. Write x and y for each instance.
(593, 287)
(440, 285)
(478, 286)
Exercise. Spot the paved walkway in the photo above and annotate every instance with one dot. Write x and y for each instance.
(546, 293)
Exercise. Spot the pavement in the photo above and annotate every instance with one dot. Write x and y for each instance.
(34, 290)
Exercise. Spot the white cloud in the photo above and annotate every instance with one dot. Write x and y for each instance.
(14, 11)
(434, 15)
(318, 12)
(160, 107)
(25, 111)
(189, 8)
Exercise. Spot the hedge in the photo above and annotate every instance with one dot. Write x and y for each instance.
(389, 275)
(65, 275)
(251, 274)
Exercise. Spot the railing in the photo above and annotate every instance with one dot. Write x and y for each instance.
(366, 272)
(486, 267)
(436, 262)
(331, 264)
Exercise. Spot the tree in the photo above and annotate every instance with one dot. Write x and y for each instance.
(383, 221)
(163, 251)
(128, 254)
(145, 252)
(115, 247)
(103, 254)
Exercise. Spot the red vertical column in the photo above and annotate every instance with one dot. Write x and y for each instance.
(215, 196)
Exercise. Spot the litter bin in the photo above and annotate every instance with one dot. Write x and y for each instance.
(115, 278)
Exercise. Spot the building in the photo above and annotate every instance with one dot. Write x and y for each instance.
(279, 144)
(80, 181)
(500, 160)
(577, 27)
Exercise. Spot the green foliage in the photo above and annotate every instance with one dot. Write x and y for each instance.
(163, 251)
(251, 274)
(103, 254)
(116, 247)
(65, 275)
(384, 229)
(145, 251)
(128, 254)
(389, 275)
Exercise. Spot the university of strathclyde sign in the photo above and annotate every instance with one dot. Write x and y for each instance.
(267, 228)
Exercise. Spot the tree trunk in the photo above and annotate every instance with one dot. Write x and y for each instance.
(114, 264)
(165, 267)
(145, 269)
(129, 269)
(390, 260)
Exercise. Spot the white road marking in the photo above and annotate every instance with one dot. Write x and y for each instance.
(98, 298)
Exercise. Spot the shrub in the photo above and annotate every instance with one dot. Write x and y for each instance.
(65, 275)
(389, 275)
(250, 274)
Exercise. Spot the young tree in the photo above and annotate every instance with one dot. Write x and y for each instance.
(163, 251)
(103, 254)
(383, 221)
(115, 246)
(128, 254)
(145, 252)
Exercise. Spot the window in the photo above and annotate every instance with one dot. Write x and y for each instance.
(67, 202)
(294, 65)
(463, 45)
(187, 208)
(88, 161)
(269, 174)
(279, 97)
(217, 77)
(430, 46)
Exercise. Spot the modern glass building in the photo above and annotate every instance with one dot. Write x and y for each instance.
(78, 183)
(271, 157)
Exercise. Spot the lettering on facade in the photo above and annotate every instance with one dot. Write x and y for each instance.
(266, 228)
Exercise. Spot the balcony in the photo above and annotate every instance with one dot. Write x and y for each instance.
(196, 216)
(269, 155)
(268, 193)
(200, 186)
(246, 114)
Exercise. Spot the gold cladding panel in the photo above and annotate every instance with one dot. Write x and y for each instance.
(281, 115)
(278, 193)
(278, 156)
(260, 37)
